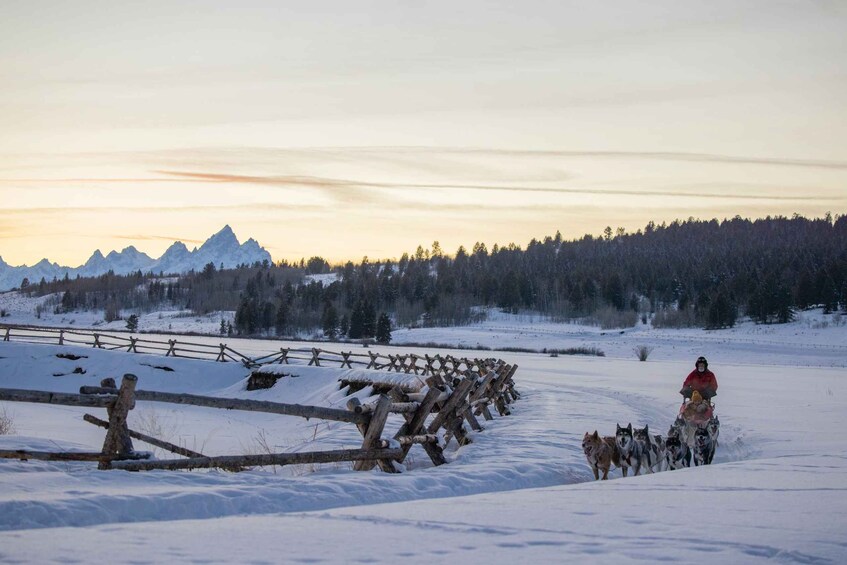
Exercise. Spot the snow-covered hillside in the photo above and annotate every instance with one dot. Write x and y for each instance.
(521, 491)
(222, 248)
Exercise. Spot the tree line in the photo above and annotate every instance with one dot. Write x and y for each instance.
(689, 273)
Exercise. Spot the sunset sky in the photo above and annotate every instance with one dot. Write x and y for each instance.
(350, 129)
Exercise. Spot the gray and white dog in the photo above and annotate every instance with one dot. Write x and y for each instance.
(652, 449)
(714, 429)
(704, 449)
(629, 450)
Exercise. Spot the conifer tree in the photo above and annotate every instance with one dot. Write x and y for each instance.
(383, 329)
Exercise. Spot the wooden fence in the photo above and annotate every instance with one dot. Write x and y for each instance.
(431, 419)
(447, 366)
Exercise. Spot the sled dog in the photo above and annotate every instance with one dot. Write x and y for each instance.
(714, 429)
(629, 450)
(652, 449)
(677, 454)
(703, 447)
(601, 453)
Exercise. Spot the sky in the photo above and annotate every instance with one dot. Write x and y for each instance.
(359, 129)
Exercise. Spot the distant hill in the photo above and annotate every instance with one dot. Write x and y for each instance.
(223, 248)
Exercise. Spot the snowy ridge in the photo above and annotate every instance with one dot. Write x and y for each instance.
(222, 248)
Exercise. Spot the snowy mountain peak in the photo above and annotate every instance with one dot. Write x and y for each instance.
(222, 248)
(224, 237)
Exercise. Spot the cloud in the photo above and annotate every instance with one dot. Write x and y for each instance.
(141, 237)
(338, 189)
(348, 184)
(658, 155)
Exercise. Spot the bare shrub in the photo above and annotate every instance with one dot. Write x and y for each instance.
(150, 422)
(6, 424)
(643, 352)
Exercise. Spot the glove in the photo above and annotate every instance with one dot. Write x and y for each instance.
(686, 391)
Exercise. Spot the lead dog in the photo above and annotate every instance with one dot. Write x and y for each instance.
(629, 450)
(600, 453)
(714, 429)
(652, 449)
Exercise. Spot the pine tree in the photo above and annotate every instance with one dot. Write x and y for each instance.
(281, 322)
(383, 329)
(356, 322)
(132, 323)
(368, 320)
(329, 321)
(223, 327)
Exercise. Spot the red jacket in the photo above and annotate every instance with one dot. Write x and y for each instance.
(701, 381)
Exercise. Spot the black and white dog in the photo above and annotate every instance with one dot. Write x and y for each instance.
(704, 448)
(652, 449)
(629, 450)
(677, 454)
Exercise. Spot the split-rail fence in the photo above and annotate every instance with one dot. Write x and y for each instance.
(445, 365)
(431, 419)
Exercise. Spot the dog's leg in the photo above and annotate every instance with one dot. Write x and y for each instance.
(596, 471)
(605, 473)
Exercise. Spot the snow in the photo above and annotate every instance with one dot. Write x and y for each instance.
(522, 491)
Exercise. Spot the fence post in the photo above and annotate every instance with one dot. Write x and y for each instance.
(171, 344)
(372, 365)
(221, 357)
(316, 360)
(284, 357)
(415, 422)
(117, 440)
(346, 359)
(96, 341)
(132, 342)
(372, 436)
(61, 337)
(6, 337)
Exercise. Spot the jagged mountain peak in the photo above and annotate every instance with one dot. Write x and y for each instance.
(222, 248)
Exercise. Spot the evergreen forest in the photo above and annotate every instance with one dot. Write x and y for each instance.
(690, 273)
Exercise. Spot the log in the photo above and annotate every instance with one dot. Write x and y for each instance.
(145, 438)
(64, 399)
(373, 434)
(415, 422)
(230, 461)
(24, 455)
(303, 411)
(117, 434)
(474, 423)
(395, 408)
(411, 440)
(452, 403)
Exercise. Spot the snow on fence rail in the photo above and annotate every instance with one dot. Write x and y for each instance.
(447, 366)
(432, 418)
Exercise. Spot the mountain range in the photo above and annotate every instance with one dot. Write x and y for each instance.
(223, 248)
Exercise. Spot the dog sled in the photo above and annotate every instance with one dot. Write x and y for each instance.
(698, 427)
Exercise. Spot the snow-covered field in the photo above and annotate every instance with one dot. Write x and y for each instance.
(521, 491)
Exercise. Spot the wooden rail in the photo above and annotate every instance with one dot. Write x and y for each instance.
(446, 366)
(446, 404)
